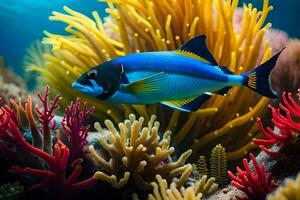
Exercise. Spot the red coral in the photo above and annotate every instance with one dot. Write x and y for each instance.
(256, 184)
(46, 117)
(55, 176)
(72, 123)
(284, 122)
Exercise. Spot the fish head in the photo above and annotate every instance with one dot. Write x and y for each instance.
(100, 82)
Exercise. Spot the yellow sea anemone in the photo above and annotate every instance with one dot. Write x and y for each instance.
(148, 25)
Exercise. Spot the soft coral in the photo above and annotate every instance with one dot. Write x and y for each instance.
(256, 184)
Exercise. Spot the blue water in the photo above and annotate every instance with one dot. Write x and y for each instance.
(23, 21)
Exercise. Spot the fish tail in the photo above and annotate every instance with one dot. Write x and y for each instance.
(258, 79)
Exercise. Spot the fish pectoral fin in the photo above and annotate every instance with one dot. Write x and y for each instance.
(196, 48)
(188, 105)
(149, 84)
(223, 91)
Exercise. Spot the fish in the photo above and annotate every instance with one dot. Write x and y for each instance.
(183, 79)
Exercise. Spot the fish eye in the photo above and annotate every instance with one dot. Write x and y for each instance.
(92, 74)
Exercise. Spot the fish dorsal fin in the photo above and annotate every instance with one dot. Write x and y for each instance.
(188, 105)
(149, 84)
(196, 48)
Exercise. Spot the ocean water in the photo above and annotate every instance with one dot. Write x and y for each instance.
(23, 21)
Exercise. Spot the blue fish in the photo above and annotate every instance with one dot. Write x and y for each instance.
(182, 79)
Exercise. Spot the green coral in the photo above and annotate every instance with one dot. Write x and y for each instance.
(201, 166)
(11, 191)
(218, 165)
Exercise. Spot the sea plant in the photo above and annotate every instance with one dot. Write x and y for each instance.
(256, 184)
(138, 154)
(285, 119)
(11, 191)
(201, 166)
(289, 191)
(218, 165)
(162, 25)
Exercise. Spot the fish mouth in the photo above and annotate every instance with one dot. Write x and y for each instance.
(93, 90)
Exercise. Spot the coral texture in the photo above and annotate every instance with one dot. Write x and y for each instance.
(256, 184)
(137, 26)
(289, 191)
(54, 166)
(285, 76)
(11, 85)
(138, 154)
(287, 124)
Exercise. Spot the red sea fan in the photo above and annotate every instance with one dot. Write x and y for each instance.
(72, 123)
(284, 119)
(256, 184)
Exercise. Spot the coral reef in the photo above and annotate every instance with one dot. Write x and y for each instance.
(138, 154)
(287, 124)
(11, 191)
(218, 165)
(285, 75)
(11, 85)
(162, 25)
(289, 191)
(256, 184)
(53, 167)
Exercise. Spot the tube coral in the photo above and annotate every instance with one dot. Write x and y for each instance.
(289, 128)
(137, 26)
(256, 184)
(138, 154)
(289, 191)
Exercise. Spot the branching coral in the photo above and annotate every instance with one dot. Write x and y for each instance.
(57, 164)
(138, 154)
(136, 26)
(256, 184)
(72, 123)
(218, 165)
(289, 128)
(289, 191)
